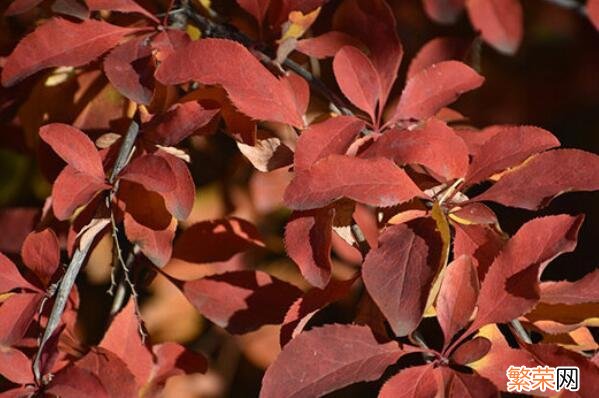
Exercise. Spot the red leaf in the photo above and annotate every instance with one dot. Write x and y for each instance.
(457, 296)
(178, 123)
(326, 359)
(399, 273)
(125, 6)
(458, 384)
(21, 6)
(415, 382)
(333, 136)
(75, 382)
(241, 301)
(308, 243)
(217, 240)
(373, 23)
(437, 50)
(581, 291)
(41, 254)
(75, 148)
(554, 355)
(508, 147)
(15, 366)
(375, 182)
(73, 8)
(179, 201)
(306, 306)
(544, 177)
(20, 221)
(593, 11)
(16, 314)
(434, 146)
(111, 371)
(73, 189)
(510, 288)
(433, 88)
(326, 45)
(444, 11)
(471, 350)
(268, 153)
(357, 79)
(172, 359)
(123, 339)
(128, 68)
(155, 244)
(474, 213)
(72, 44)
(167, 42)
(499, 21)
(257, 8)
(10, 277)
(151, 171)
(482, 243)
(251, 87)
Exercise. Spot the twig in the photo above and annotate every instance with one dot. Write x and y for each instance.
(68, 279)
(358, 235)
(520, 331)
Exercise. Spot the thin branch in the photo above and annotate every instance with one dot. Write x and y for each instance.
(360, 239)
(520, 331)
(81, 253)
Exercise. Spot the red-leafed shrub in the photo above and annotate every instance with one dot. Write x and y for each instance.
(260, 161)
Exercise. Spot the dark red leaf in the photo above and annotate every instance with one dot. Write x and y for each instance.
(10, 277)
(326, 359)
(482, 243)
(20, 221)
(593, 11)
(415, 382)
(375, 182)
(75, 382)
(75, 148)
(499, 21)
(72, 44)
(111, 371)
(178, 123)
(508, 147)
(241, 301)
(179, 201)
(437, 50)
(434, 146)
(444, 11)
(311, 302)
(257, 8)
(21, 6)
(41, 254)
(471, 351)
(554, 355)
(544, 177)
(73, 8)
(155, 244)
(433, 88)
(308, 243)
(399, 273)
(373, 23)
(457, 296)
(151, 171)
(251, 87)
(123, 339)
(16, 314)
(217, 240)
(128, 69)
(510, 288)
(73, 189)
(581, 291)
(459, 384)
(167, 42)
(326, 45)
(15, 366)
(333, 136)
(357, 79)
(125, 6)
